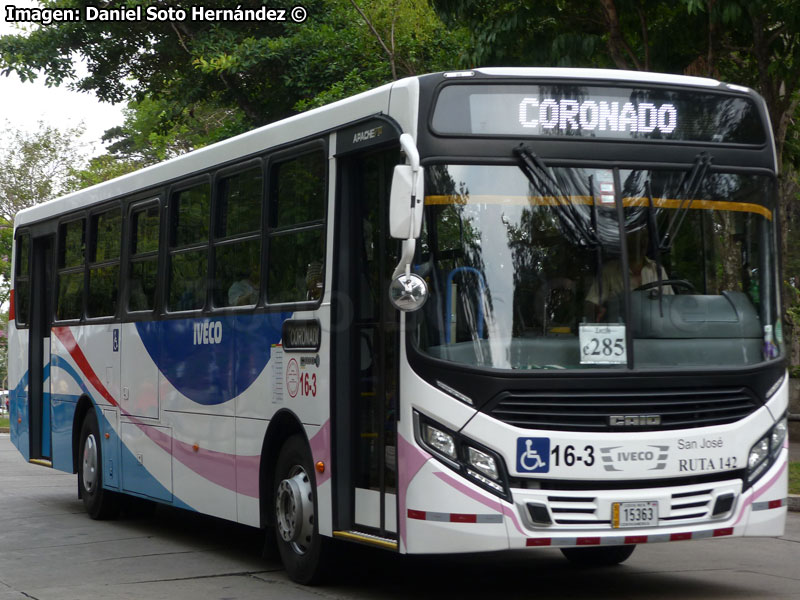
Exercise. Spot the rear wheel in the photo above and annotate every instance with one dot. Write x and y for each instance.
(303, 551)
(599, 556)
(99, 502)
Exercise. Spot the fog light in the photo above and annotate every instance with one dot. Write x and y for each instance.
(723, 504)
(439, 440)
(539, 513)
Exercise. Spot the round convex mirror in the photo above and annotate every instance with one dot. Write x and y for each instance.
(408, 292)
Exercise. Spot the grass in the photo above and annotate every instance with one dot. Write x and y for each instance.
(3, 422)
(794, 478)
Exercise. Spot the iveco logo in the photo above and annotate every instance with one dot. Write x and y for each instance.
(634, 420)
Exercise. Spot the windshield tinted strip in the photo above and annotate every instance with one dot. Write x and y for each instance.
(455, 199)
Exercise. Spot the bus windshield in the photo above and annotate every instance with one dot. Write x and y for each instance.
(581, 268)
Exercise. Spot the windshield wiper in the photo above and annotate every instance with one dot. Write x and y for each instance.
(536, 172)
(686, 192)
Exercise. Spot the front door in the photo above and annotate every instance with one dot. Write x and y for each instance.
(366, 351)
(39, 348)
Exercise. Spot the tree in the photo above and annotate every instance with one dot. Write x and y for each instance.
(262, 71)
(37, 166)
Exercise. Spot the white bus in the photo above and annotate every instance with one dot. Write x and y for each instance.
(469, 311)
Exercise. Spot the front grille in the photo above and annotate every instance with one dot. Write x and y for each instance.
(590, 411)
(575, 510)
(582, 510)
(689, 505)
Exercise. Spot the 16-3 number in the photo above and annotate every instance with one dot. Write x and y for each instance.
(570, 457)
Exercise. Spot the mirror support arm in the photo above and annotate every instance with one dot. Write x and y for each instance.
(408, 291)
(409, 148)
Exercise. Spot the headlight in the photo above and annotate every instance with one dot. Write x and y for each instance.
(439, 440)
(765, 451)
(757, 460)
(478, 464)
(778, 435)
(483, 462)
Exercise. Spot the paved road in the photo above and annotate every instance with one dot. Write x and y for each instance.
(49, 549)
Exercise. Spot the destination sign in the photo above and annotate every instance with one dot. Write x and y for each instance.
(301, 335)
(597, 112)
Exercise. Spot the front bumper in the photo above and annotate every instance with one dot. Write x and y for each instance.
(445, 513)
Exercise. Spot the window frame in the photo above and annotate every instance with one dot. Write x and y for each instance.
(217, 241)
(22, 278)
(62, 223)
(91, 249)
(271, 231)
(142, 204)
(173, 192)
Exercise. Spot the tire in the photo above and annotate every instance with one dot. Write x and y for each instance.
(303, 551)
(598, 556)
(99, 502)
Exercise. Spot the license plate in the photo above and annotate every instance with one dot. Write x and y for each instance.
(634, 514)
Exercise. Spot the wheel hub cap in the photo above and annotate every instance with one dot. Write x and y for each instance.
(294, 509)
(90, 463)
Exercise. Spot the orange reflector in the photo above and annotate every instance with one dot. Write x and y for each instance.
(108, 435)
(320, 467)
(19, 420)
(196, 448)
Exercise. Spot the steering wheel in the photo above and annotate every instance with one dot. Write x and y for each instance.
(682, 283)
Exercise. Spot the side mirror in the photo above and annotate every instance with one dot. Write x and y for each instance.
(406, 202)
(408, 292)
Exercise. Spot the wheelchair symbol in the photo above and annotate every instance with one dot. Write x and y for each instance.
(530, 459)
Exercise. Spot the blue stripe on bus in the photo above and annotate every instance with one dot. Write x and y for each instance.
(63, 415)
(212, 360)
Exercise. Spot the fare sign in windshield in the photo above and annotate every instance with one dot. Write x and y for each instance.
(582, 111)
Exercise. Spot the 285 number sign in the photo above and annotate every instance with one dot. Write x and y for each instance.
(602, 344)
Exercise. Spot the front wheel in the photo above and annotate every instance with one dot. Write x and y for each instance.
(598, 556)
(99, 502)
(303, 551)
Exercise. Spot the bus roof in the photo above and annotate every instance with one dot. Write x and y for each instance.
(297, 127)
(605, 74)
(337, 114)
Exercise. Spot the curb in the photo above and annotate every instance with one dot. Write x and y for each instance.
(793, 502)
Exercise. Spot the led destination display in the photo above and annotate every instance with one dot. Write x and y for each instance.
(597, 112)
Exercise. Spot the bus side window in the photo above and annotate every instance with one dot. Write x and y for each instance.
(71, 259)
(144, 258)
(188, 255)
(237, 240)
(22, 282)
(297, 230)
(106, 236)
